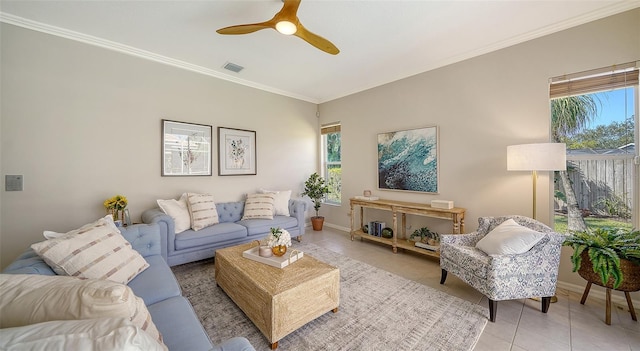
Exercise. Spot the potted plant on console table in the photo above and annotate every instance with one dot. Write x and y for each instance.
(609, 257)
(315, 188)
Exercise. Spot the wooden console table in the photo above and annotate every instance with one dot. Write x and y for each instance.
(456, 215)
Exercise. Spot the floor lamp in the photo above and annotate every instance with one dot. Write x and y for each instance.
(534, 158)
(537, 157)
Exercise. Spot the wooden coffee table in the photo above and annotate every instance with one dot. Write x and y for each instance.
(278, 300)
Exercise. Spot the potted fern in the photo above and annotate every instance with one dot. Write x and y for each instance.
(315, 188)
(609, 257)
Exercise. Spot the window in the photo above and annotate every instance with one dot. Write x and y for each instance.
(332, 166)
(596, 114)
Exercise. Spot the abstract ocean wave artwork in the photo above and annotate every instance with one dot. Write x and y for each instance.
(408, 160)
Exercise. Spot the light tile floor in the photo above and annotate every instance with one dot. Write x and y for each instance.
(519, 324)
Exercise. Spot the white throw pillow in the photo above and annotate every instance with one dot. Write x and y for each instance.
(202, 209)
(280, 202)
(30, 298)
(108, 219)
(509, 238)
(258, 206)
(97, 251)
(100, 334)
(178, 210)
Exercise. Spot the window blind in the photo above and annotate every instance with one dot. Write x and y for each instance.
(330, 129)
(618, 76)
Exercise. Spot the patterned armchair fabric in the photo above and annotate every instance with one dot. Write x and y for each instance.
(504, 277)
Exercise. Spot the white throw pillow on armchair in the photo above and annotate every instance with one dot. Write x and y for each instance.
(509, 238)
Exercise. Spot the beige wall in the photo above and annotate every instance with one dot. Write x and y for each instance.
(481, 106)
(82, 124)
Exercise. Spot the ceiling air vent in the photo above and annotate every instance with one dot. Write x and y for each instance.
(233, 67)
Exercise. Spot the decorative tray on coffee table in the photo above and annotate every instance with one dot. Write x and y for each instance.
(275, 261)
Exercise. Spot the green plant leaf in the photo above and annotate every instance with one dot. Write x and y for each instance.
(606, 246)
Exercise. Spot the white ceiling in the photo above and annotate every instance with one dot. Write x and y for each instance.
(379, 41)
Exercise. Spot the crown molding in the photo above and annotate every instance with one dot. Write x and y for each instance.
(613, 9)
(148, 55)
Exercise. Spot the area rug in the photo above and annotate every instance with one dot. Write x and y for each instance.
(378, 311)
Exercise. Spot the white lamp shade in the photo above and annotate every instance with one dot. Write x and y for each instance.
(537, 157)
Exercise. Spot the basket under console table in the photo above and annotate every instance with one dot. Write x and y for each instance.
(455, 215)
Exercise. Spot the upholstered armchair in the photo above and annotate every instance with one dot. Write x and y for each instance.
(500, 277)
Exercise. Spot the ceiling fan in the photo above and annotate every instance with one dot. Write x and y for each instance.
(286, 22)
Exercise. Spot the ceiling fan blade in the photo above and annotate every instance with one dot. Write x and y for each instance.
(288, 13)
(246, 28)
(316, 40)
(289, 10)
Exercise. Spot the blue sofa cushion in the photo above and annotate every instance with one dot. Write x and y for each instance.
(262, 226)
(214, 234)
(29, 263)
(155, 283)
(170, 316)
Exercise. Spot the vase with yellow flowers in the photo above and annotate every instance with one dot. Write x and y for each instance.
(115, 206)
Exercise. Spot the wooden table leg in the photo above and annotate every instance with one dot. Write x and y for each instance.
(395, 232)
(585, 293)
(630, 304)
(352, 222)
(274, 345)
(456, 224)
(608, 311)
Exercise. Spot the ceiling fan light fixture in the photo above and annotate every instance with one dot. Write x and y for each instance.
(286, 27)
(285, 22)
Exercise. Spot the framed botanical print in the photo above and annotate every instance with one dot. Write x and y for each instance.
(236, 152)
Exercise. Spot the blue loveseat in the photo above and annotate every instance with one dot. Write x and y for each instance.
(191, 245)
(172, 313)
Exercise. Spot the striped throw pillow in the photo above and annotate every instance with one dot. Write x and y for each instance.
(258, 206)
(202, 210)
(95, 252)
(30, 298)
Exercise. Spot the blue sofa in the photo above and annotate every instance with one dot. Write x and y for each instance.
(191, 245)
(172, 313)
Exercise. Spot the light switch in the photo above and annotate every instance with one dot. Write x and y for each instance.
(13, 182)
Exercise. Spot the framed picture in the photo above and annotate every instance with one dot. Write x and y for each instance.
(186, 149)
(408, 160)
(236, 151)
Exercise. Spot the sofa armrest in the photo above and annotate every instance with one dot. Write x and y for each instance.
(470, 239)
(298, 209)
(167, 229)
